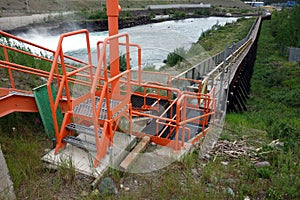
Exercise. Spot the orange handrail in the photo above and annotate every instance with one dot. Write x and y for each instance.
(37, 46)
(30, 70)
(105, 90)
(131, 45)
(63, 82)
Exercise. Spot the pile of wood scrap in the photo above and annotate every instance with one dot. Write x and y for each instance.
(231, 150)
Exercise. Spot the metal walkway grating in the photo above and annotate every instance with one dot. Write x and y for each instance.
(85, 108)
(84, 144)
(82, 129)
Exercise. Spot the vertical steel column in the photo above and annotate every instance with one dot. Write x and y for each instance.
(113, 9)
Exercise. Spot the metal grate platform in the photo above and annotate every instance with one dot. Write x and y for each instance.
(82, 129)
(83, 144)
(85, 108)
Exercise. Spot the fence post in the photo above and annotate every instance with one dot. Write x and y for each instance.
(222, 77)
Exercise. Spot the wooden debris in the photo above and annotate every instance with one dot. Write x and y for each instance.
(231, 150)
(135, 152)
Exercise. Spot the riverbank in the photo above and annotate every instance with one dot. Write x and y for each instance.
(58, 23)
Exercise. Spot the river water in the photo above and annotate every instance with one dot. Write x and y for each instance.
(156, 40)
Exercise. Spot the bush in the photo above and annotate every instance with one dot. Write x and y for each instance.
(99, 14)
(285, 28)
(122, 63)
(176, 56)
(202, 12)
(179, 14)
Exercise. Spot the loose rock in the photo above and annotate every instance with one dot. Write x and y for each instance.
(230, 191)
(107, 187)
(246, 198)
(262, 164)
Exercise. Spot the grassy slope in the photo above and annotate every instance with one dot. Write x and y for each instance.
(274, 114)
(231, 33)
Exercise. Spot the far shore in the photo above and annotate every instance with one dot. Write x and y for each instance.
(57, 24)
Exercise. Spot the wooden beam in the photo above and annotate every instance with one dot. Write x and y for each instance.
(132, 156)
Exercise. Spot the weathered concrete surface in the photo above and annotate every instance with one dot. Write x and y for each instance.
(9, 23)
(83, 161)
(6, 185)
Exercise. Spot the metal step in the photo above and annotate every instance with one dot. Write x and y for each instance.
(82, 129)
(85, 108)
(84, 144)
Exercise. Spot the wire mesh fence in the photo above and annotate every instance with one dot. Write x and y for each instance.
(294, 54)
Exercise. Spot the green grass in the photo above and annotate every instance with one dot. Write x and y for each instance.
(225, 35)
(274, 113)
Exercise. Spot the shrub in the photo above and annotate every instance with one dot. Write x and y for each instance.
(176, 56)
(99, 14)
(178, 14)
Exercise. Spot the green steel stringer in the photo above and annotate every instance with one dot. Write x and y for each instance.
(42, 101)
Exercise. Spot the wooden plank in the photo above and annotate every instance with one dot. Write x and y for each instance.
(132, 156)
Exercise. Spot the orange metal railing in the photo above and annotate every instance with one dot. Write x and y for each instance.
(13, 49)
(12, 66)
(100, 82)
(110, 91)
(202, 104)
(62, 74)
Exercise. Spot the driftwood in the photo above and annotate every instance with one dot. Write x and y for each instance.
(231, 150)
(238, 149)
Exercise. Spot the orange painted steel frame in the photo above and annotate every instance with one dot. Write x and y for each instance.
(16, 103)
(107, 139)
(112, 9)
(62, 80)
(23, 101)
(63, 84)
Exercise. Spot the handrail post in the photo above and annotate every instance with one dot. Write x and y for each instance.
(12, 82)
(222, 76)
